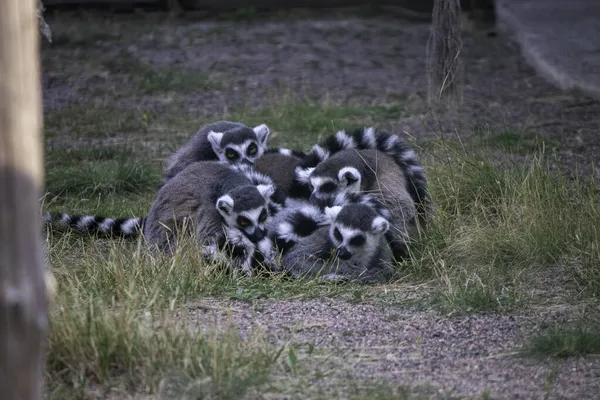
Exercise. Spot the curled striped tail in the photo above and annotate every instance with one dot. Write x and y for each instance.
(369, 138)
(125, 227)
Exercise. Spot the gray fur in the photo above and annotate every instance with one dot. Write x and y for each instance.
(317, 255)
(207, 198)
(211, 142)
(281, 168)
(370, 171)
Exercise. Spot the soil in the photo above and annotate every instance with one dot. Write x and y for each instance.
(437, 356)
(377, 61)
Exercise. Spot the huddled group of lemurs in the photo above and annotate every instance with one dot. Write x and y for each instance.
(346, 209)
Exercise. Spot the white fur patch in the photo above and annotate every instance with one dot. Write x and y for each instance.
(262, 132)
(266, 191)
(344, 140)
(265, 247)
(285, 231)
(409, 155)
(130, 225)
(318, 181)
(285, 152)
(253, 215)
(215, 140)
(320, 152)
(257, 178)
(225, 204)
(369, 137)
(65, 219)
(415, 169)
(353, 172)
(313, 212)
(332, 212)
(106, 225)
(84, 222)
(391, 142)
(380, 225)
(303, 175)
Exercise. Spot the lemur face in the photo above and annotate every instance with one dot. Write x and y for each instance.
(246, 210)
(323, 188)
(242, 146)
(356, 231)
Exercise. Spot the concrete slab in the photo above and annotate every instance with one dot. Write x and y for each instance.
(560, 38)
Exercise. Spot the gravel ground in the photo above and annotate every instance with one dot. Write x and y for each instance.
(442, 356)
(373, 61)
(350, 60)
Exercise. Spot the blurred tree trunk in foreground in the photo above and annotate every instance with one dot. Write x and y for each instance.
(444, 66)
(23, 298)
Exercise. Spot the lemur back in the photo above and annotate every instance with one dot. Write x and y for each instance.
(280, 165)
(226, 141)
(216, 201)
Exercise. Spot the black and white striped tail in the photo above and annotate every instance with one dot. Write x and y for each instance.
(299, 222)
(126, 227)
(370, 138)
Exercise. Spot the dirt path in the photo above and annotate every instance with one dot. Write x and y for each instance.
(429, 354)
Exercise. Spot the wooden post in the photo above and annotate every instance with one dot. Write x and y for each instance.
(445, 70)
(23, 292)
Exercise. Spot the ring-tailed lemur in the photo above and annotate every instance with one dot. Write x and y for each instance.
(341, 242)
(369, 171)
(230, 142)
(218, 202)
(296, 186)
(238, 187)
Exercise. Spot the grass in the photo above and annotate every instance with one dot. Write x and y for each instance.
(499, 227)
(562, 341)
(304, 123)
(490, 240)
(122, 320)
(514, 141)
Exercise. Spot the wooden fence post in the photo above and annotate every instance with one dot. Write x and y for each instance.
(23, 292)
(445, 70)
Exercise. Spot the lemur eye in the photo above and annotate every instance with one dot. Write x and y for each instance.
(243, 222)
(252, 149)
(337, 235)
(327, 187)
(357, 241)
(263, 216)
(231, 154)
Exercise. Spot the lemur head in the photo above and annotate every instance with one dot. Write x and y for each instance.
(356, 231)
(239, 144)
(246, 210)
(326, 184)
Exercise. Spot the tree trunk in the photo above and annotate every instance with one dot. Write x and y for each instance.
(23, 292)
(445, 70)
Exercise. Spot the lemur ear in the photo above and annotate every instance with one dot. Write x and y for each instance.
(266, 191)
(215, 140)
(348, 176)
(225, 205)
(380, 225)
(262, 133)
(303, 174)
(332, 212)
